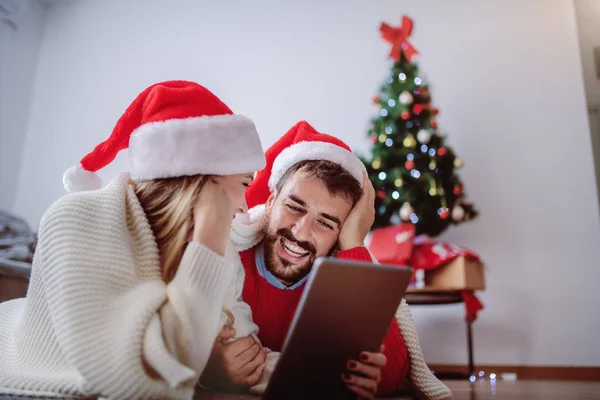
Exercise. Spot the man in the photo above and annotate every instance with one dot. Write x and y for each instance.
(313, 199)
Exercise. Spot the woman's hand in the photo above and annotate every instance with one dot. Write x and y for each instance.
(364, 377)
(212, 217)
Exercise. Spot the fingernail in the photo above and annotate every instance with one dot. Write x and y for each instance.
(346, 376)
(364, 357)
(352, 364)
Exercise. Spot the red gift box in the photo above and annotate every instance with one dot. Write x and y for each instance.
(393, 244)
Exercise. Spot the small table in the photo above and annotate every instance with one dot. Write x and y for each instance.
(427, 296)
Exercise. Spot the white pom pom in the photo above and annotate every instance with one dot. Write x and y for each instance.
(77, 179)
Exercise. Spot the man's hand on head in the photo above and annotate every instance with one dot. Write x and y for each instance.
(361, 218)
(236, 365)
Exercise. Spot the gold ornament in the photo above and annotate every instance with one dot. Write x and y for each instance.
(382, 138)
(398, 182)
(458, 163)
(409, 141)
(376, 164)
(432, 165)
(432, 192)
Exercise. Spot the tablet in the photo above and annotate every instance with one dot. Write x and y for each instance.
(346, 307)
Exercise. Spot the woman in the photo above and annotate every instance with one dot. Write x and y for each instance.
(119, 304)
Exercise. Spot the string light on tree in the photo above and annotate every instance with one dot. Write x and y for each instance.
(458, 163)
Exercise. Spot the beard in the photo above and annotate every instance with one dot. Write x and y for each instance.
(282, 269)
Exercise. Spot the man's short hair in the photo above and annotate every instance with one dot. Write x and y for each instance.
(338, 180)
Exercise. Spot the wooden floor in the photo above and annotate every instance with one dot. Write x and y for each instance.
(487, 390)
(529, 390)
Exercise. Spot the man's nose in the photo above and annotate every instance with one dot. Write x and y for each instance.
(302, 228)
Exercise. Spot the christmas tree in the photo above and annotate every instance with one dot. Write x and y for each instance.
(412, 168)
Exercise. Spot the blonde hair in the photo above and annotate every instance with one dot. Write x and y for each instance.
(168, 204)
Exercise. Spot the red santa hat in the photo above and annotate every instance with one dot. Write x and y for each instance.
(302, 142)
(171, 129)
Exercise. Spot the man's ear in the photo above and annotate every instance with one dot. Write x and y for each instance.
(270, 200)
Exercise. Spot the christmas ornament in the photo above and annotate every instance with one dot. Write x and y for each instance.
(376, 164)
(381, 194)
(432, 165)
(458, 163)
(405, 98)
(418, 109)
(374, 139)
(409, 141)
(398, 182)
(458, 213)
(405, 211)
(398, 37)
(442, 151)
(382, 138)
(376, 99)
(409, 164)
(433, 124)
(405, 115)
(436, 111)
(424, 136)
(443, 212)
(457, 189)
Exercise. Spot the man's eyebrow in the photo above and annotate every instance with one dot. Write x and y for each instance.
(297, 200)
(332, 219)
(300, 202)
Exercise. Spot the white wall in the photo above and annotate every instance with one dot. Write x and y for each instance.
(506, 76)
(588, 25)
(18, 60)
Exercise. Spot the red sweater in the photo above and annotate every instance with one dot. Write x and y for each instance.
(273, 310)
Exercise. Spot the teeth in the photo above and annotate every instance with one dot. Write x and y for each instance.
(293, 249)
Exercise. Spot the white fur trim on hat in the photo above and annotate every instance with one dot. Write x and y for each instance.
(303, 151)
(215, 145)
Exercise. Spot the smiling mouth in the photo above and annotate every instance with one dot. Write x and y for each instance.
(293, 249)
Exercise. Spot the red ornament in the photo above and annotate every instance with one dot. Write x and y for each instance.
(436, 111)
(405, 115)
(433, 124)
(458, 189)
(381, 194)
(376, 99)
(373, 139)
(398, 37)
(442, 151)
(418, 108)
(443, 213)
(409, 164)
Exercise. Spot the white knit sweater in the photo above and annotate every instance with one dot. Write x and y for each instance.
(98, 320)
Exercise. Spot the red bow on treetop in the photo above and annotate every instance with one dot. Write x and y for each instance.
(398, 37)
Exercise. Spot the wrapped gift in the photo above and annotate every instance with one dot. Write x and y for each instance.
(448, 266)
(460, 273)
(393, 244)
